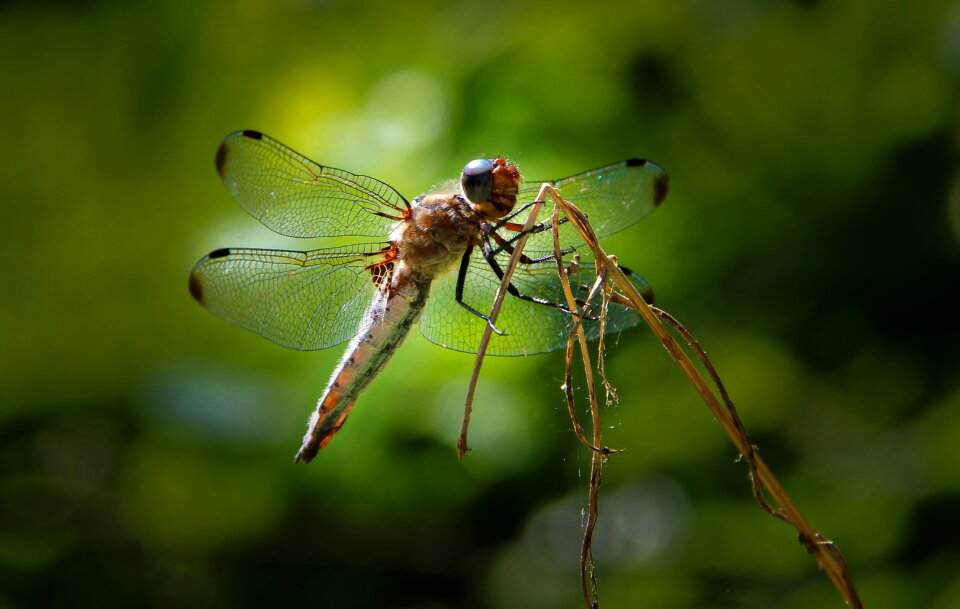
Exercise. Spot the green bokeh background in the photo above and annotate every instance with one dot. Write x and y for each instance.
(810, 241)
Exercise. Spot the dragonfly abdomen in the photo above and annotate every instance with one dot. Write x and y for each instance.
(390, 316)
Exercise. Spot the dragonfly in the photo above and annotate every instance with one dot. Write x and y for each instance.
(437, 260)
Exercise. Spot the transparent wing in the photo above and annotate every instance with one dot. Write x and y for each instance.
(613, 198)
(294, 196)
(530, 328)
(304, 300)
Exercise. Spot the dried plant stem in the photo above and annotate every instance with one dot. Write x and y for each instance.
(660, 322)
(588, 580)
(822, 548)
(494, 312)
(750, 456)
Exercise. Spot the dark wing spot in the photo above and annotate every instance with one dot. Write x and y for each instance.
(640, 283)
(649, 296)
(636, 162)
(221, 159)
(254, 135)
(223, 252)
(196, 288)
(660, 187)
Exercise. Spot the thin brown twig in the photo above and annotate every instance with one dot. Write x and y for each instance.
(494, 312)
(750, 457)
(822, 548)
(568, 375)
(762, 479)
(611, 393)
(589, 586)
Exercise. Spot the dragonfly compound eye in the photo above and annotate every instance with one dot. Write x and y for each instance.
(477, 180)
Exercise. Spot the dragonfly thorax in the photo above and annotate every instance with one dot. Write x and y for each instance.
(435, 234)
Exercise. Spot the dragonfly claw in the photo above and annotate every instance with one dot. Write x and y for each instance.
(494, 328)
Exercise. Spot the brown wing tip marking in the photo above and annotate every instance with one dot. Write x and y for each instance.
(222, 151)
(649, 297)
(195, 284)
(221, 158)
(196, 288)
(661, 185)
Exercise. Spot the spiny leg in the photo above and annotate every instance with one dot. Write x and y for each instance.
(506, 219)
(489, 255)
(461, 278)
(504, 245)
(537, 228)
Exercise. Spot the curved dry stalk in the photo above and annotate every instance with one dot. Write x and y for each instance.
(821, 547)
(574, 333)
(494, 312)
(589, 586)
(617, 286)
(750, 457)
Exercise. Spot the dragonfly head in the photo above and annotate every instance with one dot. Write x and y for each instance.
(491, 186)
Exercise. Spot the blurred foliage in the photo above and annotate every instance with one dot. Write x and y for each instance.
(809, 241)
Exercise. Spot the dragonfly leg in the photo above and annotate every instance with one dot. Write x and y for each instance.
(536, 228)
(490, 256)
(461, 278)
(504, 245)
(506, 219)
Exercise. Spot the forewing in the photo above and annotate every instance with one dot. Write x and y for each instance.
(294, 196)
(530, 327)
(613, 198)
(304, 300)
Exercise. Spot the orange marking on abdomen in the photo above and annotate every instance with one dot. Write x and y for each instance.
(333, 405)
(336, 426)
(332, 399)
